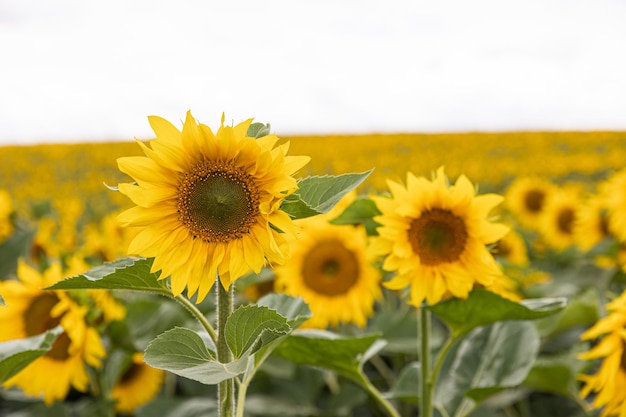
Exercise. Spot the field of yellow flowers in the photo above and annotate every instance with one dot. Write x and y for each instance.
(541, 340)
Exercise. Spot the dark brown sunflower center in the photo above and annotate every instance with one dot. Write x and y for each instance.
(438, 236)
(565, 220)
(603, 225)
(37, 319)
(218, 202)
(502, 249)
(533, 200)
(622, 362)
(132, 373)
(330, 268)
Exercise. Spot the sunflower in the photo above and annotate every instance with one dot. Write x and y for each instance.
(512, 249)
(616, 204)
(30, 311)
(434, 236)
(591, 225)
(6, 210)
(209, 203)
(556, 223)
(526, 198)
(138, 385)
(331, 270)
(609, 382)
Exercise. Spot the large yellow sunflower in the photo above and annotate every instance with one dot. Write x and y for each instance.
(30, 311)
(609, 382)
(434, 236)
(616, 204)
(331, 270)
(526, 198)
(138, 385)
(209, 203)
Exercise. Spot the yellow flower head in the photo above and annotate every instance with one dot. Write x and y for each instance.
(6, 210)
(526, 198)
(209, 203)
(331, 270)
(434, 236)
(609, 382)
(31, 311)
(591, 225)
(138, 385)
(556, 222)
(616, 204)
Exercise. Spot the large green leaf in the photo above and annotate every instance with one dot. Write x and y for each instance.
(319, 194)
(484, 362)
(250, 327)
(15, 355)
(183, 352)
(124, 274)
(294, 309)
(484, 307)
(344, 355)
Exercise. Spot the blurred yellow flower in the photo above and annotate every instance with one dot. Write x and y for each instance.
(31, 311)
(435, 235)
(6, 210)
(332, 272)
(556, 222)
(138, 385)
(526, 198)
(209, 203)
(616, 204)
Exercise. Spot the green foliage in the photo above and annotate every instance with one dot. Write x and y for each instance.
(131, 274)
(14, 247)
(15, 355)
(360, 211)
(484, 307)
(251, 327)
(319, 194)
(258, 130)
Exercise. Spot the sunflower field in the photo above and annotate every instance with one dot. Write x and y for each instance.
(233, 272)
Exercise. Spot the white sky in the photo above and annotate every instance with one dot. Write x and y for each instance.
(84, 70)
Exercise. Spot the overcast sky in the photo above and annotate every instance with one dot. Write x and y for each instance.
(83, 70)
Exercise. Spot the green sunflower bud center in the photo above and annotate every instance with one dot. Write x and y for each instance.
(329, 268)
(438, 236)
(218, 202)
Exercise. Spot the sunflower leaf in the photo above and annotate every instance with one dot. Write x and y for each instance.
(319, 194)
(258, 130)
(2, 303)
(184, 353)
(360, 211)
(484, 307)
(486, 361)
(250, 327)
(294, 309)
(15, 355)
(123, 274)
(344, 355)
(15, 246)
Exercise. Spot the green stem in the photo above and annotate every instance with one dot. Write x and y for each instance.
(226, 389)
(443, 352)
(199, 316)
(427, 383)
(384, 403)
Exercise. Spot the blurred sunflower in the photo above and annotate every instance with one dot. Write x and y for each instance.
(512, 249)
(209, 203)
(609, 382)
(591, 225)
(435, 236)
(556, 223)
(6, 210)
(138, 385)
(616, 204)
(526, 198)
(331, 270)
(31, 311)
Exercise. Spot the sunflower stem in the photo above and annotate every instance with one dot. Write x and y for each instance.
(226, 389)
(427, 383)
